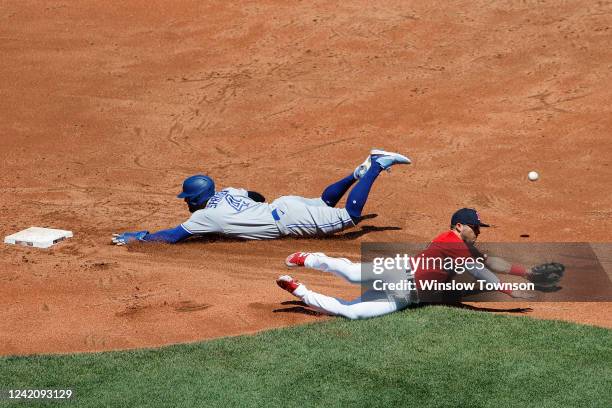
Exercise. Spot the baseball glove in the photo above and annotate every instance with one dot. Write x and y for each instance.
(546, 276)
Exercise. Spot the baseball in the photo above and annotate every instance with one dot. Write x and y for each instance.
(533, 175)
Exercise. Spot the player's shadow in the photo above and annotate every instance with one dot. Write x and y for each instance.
(297, 307)
(208, 238)
(465, 306)
(356, 232)
(302, 308)
(366, 229)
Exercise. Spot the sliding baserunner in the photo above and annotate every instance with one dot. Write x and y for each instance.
(239, 213)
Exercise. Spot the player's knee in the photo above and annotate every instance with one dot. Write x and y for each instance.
(328, 202)
(354, 212)
(354, 278)
(352, 314)
(355, 216)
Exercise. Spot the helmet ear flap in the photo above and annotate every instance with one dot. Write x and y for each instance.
(198, 202)
(199, 199)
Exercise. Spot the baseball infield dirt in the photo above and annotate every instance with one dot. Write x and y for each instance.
(105, 108)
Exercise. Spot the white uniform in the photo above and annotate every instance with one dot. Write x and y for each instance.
(372, 303)
(231, 212)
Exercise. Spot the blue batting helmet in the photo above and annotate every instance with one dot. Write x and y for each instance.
(197, 189)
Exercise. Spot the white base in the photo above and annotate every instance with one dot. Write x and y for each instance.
(38, 237)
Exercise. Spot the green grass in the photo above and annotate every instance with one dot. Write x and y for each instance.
(428, 357)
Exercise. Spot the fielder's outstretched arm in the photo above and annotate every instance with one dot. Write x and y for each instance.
(482, 273)
(500, 265)
(545, 276)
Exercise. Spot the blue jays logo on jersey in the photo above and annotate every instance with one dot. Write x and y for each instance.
(237, 204)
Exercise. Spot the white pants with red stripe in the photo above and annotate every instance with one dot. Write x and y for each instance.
(372, 303)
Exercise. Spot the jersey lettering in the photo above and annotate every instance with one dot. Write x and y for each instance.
(216, 199)
(236, 203)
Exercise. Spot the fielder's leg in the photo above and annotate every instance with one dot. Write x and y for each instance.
(373, 302)
(376, 304)
(342, 267)
(350, 271)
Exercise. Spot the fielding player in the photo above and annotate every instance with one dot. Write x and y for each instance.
(378, 299)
